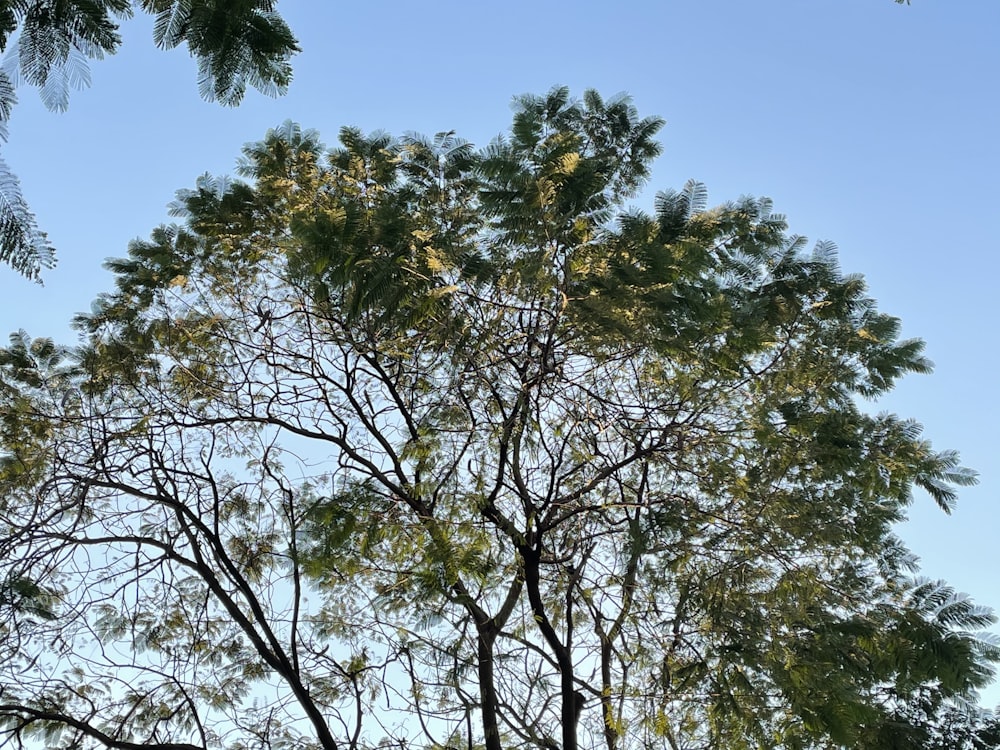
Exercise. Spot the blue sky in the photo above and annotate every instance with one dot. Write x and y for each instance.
(870, 124)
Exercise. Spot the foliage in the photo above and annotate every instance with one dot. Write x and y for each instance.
(23, 246)
(408, 443)
(48, 42)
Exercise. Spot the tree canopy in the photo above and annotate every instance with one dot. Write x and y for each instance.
(408, 443)
(48, 42)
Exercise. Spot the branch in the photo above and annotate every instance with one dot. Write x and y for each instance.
(31, 715)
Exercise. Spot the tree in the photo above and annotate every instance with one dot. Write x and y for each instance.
(928, 723)
(48, 42)
(406, 443)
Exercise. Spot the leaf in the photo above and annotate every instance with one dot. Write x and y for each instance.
(22, 244)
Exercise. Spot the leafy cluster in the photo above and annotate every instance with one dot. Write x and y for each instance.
(409, 443)
(48, 43)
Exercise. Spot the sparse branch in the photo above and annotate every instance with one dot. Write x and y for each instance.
(26, 716)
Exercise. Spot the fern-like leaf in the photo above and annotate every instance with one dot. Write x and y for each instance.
(23, 245)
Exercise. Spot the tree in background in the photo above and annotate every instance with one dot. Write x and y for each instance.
(48, 42)
(409, 444)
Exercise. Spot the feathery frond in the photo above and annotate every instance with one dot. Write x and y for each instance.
(23, 245)
(47, 43)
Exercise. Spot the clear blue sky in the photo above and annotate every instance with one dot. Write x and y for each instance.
(871, 124)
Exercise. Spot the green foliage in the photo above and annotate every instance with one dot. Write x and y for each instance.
(236, 43)
(438, 445)
(48, 42)
(23, 246)
(26, 596)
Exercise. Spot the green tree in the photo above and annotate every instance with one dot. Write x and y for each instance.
(48, 42)
(928, 722)
(408, 443)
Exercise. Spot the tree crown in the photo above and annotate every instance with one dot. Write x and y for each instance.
(430, 444)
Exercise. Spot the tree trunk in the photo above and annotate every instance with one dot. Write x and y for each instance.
(486, 636)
